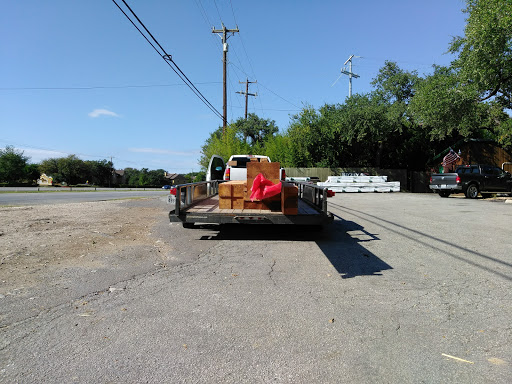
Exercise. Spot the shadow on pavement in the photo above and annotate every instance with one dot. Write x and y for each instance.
(341, 242)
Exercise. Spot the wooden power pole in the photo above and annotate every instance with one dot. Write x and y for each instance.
(224, 36)
(246, 93)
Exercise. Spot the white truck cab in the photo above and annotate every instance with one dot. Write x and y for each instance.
(236, 167)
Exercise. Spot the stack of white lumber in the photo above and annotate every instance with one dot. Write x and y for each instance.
(360, 184)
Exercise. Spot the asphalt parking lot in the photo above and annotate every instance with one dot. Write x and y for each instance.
(408, 288)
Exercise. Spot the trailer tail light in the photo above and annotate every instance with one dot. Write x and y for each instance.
(173, 191)
(457, 179)
(283, 174)
(330, 193)
(228, 174)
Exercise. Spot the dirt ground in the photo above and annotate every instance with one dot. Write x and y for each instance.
(49, 253)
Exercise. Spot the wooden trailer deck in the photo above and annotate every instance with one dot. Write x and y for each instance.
(211, 205)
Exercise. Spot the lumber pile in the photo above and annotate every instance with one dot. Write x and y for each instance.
(236, 194)
(360, 184)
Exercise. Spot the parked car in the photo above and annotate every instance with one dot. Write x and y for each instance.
(472, 180)
(166, 187)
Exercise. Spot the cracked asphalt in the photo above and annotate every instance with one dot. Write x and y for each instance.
(401, 288)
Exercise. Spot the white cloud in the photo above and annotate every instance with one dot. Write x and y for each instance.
(159, 151)
(102, 112)
(38, 155)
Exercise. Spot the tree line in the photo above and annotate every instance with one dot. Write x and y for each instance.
(15, 169)
(407, 119)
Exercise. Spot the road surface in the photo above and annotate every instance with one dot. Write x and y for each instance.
(401, 288)
(35, 198)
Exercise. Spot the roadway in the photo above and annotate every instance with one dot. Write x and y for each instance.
(33, 197)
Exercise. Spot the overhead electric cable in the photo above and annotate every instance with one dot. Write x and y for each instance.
(207, 22)
(97, 87)
(167, 58)
(246, 55)
(289, 102)
(215, 2)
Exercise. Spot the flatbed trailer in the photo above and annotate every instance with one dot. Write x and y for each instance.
(199, 203)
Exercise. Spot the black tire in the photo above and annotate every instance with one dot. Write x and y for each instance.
(472, 191)
(444, 193)
(188, 225)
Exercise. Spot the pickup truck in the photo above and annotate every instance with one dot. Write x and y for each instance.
(236, 167)
(472, 180)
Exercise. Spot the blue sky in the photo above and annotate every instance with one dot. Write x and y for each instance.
(77, 78)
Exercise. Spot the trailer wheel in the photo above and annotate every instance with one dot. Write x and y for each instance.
(472, 191)
(188, 225)
(444, 193)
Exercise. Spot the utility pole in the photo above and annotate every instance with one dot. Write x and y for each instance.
(349, 73)
(246, 93)
(224, 31)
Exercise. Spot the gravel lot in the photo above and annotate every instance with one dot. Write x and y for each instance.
(401, 288)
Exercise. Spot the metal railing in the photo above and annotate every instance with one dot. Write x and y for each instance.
(187, 194)
(313, 194)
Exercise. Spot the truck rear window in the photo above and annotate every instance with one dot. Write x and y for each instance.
(467, 170)
(241, 162)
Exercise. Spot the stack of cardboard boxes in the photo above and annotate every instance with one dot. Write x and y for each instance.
(236, 194)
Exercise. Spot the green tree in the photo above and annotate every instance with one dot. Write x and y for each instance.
(445, 109)
(484, 62)
(255, 128)
(98, 172)
(278, 148)
(156, 178)
(12, 165)
(143, 178)
(223, 145)
(32, 172)
(70, 170)
(132, 176)
(395, 84)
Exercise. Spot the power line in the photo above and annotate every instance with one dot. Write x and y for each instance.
(268, 89)
(167, 58)
(220, 18)
(246, 55)
(98, 87)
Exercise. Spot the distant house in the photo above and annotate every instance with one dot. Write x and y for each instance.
(45, 181)
(175, 178)
(118, 177)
